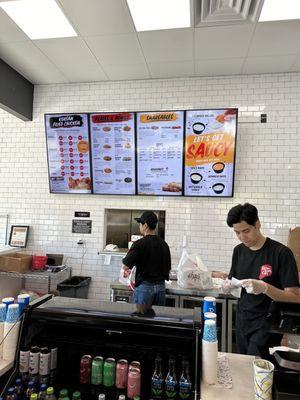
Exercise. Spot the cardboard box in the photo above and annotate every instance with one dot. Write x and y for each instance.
(294, 244)
(15, 262)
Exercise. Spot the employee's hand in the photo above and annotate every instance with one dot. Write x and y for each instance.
(226, 286)
(254, 286)
(126, 272)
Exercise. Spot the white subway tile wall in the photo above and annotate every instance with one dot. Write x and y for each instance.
(267, 169)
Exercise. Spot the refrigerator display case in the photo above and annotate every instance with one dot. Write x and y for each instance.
(78, 327)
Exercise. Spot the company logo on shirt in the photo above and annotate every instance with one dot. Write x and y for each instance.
(265, 271)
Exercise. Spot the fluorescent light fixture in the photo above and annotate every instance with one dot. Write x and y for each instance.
(39, 19)
(276, 10)
(150, 15)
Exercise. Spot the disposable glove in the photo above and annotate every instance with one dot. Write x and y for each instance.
(226, 286)
(254, 286)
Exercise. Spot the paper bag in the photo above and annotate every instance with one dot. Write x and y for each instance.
(192, 273)
(127, 280)
(294, 244)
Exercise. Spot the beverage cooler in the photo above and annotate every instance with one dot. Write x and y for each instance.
(77, 328)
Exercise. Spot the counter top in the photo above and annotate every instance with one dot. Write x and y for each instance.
(5, 366)
(173, 288)
(242, 381)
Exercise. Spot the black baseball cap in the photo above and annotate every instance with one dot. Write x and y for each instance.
(148, 217)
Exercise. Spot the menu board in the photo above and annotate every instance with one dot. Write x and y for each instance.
(113, 153)
(68, 153)
(160, 153)
(210, 152)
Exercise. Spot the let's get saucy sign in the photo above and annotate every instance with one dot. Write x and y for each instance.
(210, 152)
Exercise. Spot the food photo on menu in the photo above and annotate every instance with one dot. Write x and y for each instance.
(210, 152)
(68, 153)
(160, 153)
(113, 152)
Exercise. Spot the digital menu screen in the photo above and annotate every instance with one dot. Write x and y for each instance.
(113, 153)
(210, 152)
(160, 153)
(68, 153)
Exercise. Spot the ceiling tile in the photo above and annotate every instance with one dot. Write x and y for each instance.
(30, 62)
(276, 38)
(115, 49)
(167, 45)
(98, 17)
(262, 65)
(9, 31)
(122, 72)
(296, 66)
(222, 41)
(73, 58)
(224, 66)
(172, 69)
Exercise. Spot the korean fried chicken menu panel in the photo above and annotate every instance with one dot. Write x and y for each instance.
(113, 153)
(68, 153)
(210, 152)
(160, 153)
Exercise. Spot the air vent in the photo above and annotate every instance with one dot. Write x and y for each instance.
(226, 12)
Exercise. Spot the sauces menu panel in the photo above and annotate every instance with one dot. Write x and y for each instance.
(160, 153)
(113, 153)
(210, 152)
(68, 153)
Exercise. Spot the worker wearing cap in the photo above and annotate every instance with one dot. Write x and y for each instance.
(151, 257)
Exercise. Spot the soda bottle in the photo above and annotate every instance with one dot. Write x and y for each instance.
(76, 396)
(11, 394)
(171, 381)
(30, 389)
(157, 380)
(50, 394)
(19, 389)
(42, 393)
(185, 383)
(63, 394)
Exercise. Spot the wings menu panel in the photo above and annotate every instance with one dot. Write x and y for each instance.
(113, 153)
(210, 152)
(68, 153)
(160, 153)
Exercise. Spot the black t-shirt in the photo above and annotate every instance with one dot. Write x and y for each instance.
(275, 264)
(151, 256)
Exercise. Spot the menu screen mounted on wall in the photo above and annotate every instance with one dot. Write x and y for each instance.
(160, 153)
(68, 153)
(113, 153)
(210, 152)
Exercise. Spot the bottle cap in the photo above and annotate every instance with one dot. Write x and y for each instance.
(43, 386)
(63, 393)
(33, 396)
(76, 395)
(50, 390)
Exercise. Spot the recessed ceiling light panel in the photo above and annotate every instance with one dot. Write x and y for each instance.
(39, 19)
(150, 15)
(276, 10)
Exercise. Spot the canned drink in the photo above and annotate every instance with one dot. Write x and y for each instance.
(109, 372)
(135, 364)
(134, 383)
(97, 370)
(85, 369)
(121, 374)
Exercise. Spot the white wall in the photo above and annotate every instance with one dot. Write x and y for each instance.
(267, 167)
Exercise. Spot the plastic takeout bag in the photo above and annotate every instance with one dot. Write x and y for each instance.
(127, 280)
(192, 273)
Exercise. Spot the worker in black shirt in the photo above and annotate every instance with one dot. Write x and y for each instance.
(267, 270)
(151, 256)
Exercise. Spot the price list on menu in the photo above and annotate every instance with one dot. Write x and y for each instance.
(160, 153)
(113, 153)
(68, 153)
(210, 152)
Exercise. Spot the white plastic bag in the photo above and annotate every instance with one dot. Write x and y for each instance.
(192, 273)
(127, 280)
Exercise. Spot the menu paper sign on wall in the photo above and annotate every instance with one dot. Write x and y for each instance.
(68, 153)
(113, 153)
(210, 152)
(160, 153)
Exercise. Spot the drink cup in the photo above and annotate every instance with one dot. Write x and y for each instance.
(7, 301)
(12, 314)
(263, 379)
(23, 300)
(209, 305)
